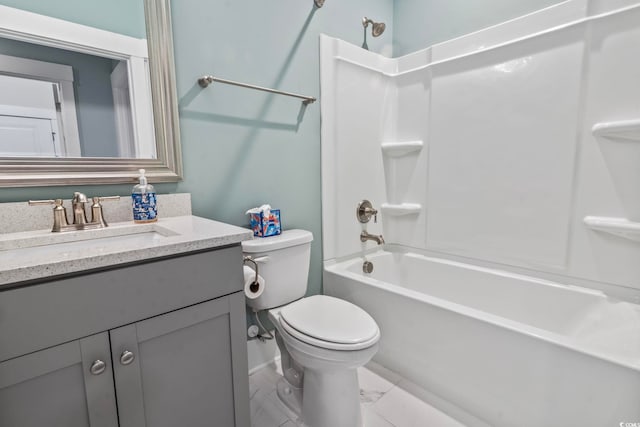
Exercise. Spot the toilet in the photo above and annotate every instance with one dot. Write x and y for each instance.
(322, 339)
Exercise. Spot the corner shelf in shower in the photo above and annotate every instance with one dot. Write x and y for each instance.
(399, 149)
(623, 129)
(620, 227)
(401, 209)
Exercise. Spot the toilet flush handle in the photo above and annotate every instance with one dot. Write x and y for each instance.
(262, 259)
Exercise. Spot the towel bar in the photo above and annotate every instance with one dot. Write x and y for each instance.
(205, 81)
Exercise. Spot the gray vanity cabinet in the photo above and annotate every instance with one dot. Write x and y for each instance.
(56, 387)
(111, 349)
(177, 369)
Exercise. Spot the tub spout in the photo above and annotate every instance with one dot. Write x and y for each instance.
(364, 236)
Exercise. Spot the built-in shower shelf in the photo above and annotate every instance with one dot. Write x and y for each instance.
(621, 227)
(624, 129)
(401, 209)
(399, 149)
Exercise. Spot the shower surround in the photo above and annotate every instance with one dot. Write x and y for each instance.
(516, 149)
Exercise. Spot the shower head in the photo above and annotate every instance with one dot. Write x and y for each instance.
(377, 28)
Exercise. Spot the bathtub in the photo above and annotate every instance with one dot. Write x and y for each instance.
(496, 348)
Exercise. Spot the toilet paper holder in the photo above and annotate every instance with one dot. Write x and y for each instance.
(255, 285)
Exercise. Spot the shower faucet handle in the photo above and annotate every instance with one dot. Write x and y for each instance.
(365, 211)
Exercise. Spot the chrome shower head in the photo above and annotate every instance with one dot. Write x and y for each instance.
(377, 28)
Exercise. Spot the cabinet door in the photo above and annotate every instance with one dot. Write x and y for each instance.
(184, 368)
(56, 387)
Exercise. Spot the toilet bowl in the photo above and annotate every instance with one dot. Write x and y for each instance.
(322, 339)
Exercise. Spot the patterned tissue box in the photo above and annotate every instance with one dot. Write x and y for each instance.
(264, 226)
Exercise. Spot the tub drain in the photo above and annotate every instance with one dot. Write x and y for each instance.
(367, 267)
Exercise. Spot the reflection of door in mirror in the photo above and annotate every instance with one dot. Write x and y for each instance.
(37, 109)
(28, 120)
(93, 102)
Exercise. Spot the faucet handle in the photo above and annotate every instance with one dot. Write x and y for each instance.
(364, 212)
(45, 202)
(59, 212)
(104, 199)
(96, 209)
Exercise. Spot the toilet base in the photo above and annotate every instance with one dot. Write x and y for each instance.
(331, 399)
(291, 397)
(320, 411)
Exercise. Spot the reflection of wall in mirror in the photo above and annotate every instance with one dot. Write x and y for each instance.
(93, 91)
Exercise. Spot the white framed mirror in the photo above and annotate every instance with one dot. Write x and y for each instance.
(82, 105)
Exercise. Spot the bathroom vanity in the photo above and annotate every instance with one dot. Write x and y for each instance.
(126, 328)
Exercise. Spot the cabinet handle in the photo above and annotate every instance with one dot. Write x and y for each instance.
(126, 357)
(98, 367)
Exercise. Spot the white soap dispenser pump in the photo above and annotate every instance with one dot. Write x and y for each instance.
(143, 198)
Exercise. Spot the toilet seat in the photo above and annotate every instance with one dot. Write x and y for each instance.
(329, 323)
(326, 344)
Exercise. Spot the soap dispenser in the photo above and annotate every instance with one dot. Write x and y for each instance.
(143, 197)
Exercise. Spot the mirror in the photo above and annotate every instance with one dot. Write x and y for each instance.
(82, 105)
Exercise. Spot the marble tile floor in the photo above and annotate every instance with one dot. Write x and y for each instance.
(388, 400)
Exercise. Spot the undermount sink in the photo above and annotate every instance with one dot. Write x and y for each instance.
(42, 241)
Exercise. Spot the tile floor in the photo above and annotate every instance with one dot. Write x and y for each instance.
(384, 397)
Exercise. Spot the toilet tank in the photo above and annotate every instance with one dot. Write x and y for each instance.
(283, 262)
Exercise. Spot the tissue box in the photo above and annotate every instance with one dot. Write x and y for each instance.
(263, 226)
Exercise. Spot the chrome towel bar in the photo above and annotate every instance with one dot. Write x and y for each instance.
(205, 81)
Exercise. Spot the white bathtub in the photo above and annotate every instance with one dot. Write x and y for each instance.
(499, 348)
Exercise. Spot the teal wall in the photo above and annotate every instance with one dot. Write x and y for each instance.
(243, 148)
(119, 16)
(421, 23)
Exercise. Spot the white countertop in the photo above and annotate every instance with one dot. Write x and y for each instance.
(120, 243)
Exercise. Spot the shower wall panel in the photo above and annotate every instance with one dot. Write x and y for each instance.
(609, 168)
(502, 148)
(361, 113)
(493, 156)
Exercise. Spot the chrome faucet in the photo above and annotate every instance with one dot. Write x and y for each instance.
(60, 222)
(364, 236)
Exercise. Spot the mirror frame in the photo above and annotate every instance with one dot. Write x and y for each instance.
(167, 167)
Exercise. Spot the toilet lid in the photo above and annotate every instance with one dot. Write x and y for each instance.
(331, 320)
(287, 239)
